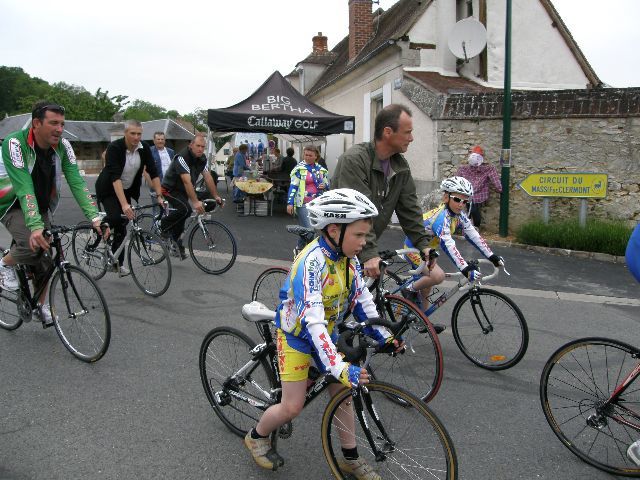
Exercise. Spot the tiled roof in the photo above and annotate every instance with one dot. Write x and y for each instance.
(448, 85)
(391, 25)
(13, 123)
(93, 131)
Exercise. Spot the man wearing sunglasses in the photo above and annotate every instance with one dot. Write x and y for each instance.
(440, 224)
(33, 162)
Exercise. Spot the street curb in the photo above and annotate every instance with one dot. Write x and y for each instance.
(563, 252)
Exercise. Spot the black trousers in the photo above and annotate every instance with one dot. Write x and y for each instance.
(476, 214)
(117, 223)
(173, 223)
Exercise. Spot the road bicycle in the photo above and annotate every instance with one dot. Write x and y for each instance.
(420, 369)
(147, 257)
(396, 433)
(488, 327)
(79, 310)
(212, 246)
(590, 399)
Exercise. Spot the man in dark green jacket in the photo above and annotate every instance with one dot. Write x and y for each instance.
(33, 162)
(378, 170)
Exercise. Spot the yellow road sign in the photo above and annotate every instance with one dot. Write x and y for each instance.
(553, 184)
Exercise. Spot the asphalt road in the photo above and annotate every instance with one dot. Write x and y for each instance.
(140, 412)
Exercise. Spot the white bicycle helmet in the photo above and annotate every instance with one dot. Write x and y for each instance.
(457, 185)
(342, 205)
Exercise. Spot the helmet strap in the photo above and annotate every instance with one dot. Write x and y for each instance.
(338, 246)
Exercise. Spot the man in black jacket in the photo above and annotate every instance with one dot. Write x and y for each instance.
(179, 186)
(120, 180)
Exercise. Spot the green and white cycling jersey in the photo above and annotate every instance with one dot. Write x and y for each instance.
(18, 160)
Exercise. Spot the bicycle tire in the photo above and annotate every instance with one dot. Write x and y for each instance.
(10, 318)
(267, 287)
(575, 382)
(420, 369)
(149, 263)
(85, 332)
(501, 346)
(88, 252)
(213, 248)
(421, 448)
(223, 352)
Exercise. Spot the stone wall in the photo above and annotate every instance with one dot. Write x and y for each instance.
(551, 131)
(599, 145)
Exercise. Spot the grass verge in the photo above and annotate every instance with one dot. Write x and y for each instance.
(597, 236)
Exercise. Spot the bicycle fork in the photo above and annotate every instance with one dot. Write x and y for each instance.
(65, 281)
(476, 304)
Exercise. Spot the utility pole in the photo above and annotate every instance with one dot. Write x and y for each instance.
(505, 154)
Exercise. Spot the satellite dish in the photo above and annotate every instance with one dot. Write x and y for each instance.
(467, 39)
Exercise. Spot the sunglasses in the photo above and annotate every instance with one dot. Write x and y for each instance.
(459, 200)
(52, 107)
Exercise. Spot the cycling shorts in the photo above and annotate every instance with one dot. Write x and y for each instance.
(296, 355)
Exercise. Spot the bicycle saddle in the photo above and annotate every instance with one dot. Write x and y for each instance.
(257, 312)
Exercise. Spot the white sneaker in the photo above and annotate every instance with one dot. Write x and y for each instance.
(9, 278)
(124, 271)
(44, 313)
(633, 452)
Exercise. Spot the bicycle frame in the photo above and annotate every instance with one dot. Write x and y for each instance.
(361, 399)
(58, 264)
(604, 409)
(462, 286)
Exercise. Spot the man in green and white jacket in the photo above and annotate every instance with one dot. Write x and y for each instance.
(33, 161)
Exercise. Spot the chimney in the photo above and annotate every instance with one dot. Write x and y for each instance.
(319, 44)
(360, 26)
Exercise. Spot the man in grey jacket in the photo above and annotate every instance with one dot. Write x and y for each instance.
(378, 170)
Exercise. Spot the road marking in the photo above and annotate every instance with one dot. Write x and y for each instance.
(524, 292)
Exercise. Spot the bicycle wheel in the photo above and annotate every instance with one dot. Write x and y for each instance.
(419, 370)
(149, 263)
(80, 314)
(223, 352)
(489, 329)
(576, 382)
(266, 290)
(10, 318)
(89, 250)
(412, 440)
(212, 247)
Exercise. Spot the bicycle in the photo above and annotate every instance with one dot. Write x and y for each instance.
(395, 432)
(590, 400)
(488, 327)
(147, 257)
(212, 246)
(81, 320)
(420, 369)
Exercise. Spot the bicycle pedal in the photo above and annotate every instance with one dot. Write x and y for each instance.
(275, 458)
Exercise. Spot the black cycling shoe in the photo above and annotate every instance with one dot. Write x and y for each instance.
(439, 328)
(182, 253)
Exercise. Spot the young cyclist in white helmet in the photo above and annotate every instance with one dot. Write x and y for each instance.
(324, 281)
(441, 223)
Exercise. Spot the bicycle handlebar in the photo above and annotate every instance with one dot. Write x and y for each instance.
(354, 343)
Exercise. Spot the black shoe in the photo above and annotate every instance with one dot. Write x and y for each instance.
(439, 328)
(182, 253)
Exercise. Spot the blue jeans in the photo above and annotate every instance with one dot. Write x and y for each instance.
(303, 221)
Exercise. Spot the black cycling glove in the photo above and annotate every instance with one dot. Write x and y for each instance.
(496, 260)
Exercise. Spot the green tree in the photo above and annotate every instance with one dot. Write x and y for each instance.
(144, 111)
(198, 118)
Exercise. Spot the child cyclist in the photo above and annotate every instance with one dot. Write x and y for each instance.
(324, 282)
(441, 223)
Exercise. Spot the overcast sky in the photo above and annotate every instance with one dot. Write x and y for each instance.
(210, 54)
